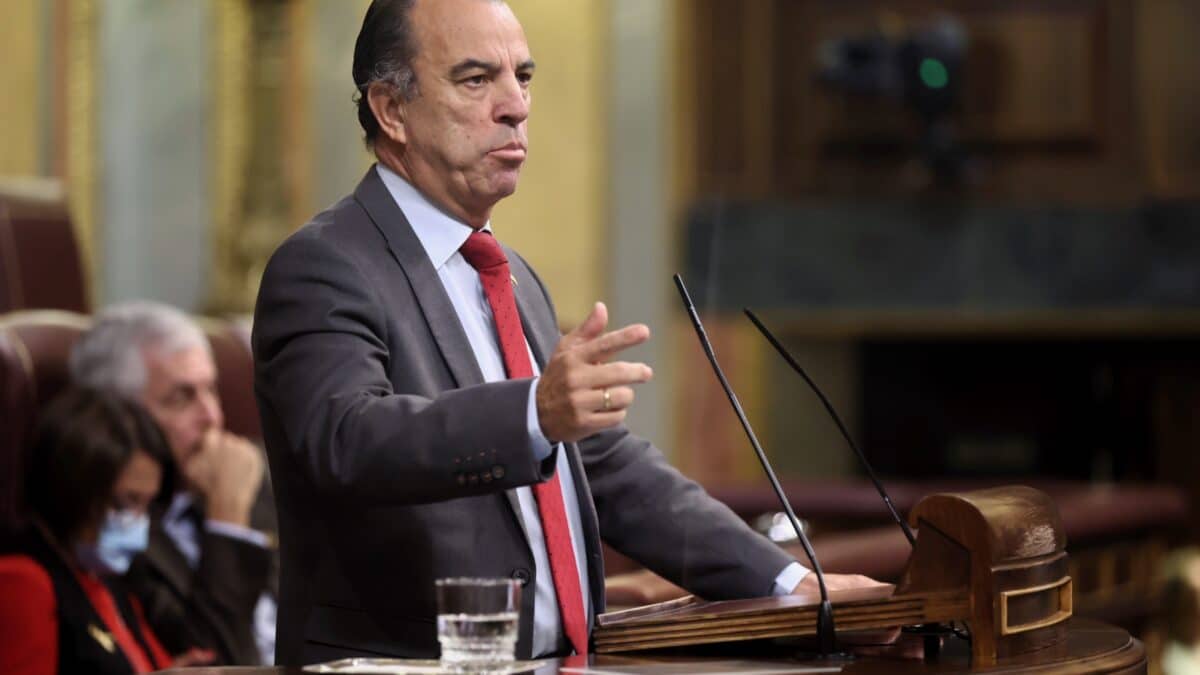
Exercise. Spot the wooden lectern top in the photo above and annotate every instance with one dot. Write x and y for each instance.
(1006, 523)
(993, 559)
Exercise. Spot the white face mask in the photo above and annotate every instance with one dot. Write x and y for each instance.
(123, 535)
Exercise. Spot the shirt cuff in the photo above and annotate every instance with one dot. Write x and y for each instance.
(537, 440)
(789, 579)
(237, 532)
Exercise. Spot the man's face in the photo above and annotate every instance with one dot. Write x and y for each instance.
(181, 395)
(464, 133)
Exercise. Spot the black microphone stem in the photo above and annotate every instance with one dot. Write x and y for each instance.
(826, 636)
(787, 356)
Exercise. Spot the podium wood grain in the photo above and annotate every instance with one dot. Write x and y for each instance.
(994, 559)
(1090, 647)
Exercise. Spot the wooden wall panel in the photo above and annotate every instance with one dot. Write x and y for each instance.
(1032, 74)
(1035, 76)
(720, 94)
(1169, 93)
(1083, 101)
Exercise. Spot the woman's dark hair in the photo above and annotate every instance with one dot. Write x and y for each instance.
(82, 442)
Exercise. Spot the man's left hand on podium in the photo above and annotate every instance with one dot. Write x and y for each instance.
(634, 589)
(834, 582)
(885, 643)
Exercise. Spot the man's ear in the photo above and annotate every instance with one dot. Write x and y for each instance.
(388, 109)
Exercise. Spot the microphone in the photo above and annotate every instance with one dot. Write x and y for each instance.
(826, 633)
(932, 632)
(791, 361)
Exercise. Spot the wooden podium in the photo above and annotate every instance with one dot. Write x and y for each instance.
(1091, 647)
(994, 560)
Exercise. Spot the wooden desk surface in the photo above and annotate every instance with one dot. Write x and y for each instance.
(1091, 647)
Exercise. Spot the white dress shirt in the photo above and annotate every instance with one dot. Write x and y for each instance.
(183, 532)
(441, 236)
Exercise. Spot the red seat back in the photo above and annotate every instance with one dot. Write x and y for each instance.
(40, 265)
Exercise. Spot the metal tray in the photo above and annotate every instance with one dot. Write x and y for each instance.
(417, 667)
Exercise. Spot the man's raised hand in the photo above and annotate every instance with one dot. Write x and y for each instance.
(580, 391)
(227, 472)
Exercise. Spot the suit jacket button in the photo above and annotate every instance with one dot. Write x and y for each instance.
(497, 472)
(522, 575)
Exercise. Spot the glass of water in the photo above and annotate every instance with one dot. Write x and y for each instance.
(477, 621)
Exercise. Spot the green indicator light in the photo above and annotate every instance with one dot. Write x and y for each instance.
(934, 74)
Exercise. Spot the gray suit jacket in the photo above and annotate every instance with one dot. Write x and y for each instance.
(394, 463)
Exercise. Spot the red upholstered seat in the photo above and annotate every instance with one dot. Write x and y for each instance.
(40, 265)
(35, 347)
(230, 340)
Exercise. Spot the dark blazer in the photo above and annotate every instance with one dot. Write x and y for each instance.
(213, 605)
(394, 463)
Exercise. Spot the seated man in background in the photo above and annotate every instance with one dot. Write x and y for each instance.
(207, 576)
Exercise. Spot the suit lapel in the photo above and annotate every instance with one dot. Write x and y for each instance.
(537, 322)
(539, 327)
(439, 312)
(427, 286)
(162, 554)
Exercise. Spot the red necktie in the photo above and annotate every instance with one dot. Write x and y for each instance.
(483, 252)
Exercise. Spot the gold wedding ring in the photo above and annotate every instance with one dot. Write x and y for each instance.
(607, 400)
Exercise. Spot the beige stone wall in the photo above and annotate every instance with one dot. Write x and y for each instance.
(557, 219)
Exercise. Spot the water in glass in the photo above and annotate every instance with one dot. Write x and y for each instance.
(477, 638)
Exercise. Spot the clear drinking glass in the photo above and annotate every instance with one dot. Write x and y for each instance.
(477, 620)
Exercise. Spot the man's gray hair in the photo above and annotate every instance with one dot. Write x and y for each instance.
(110, 356)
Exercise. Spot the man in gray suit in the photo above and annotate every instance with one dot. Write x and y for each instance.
(423, 416)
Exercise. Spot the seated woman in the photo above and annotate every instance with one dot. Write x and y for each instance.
(95, 465)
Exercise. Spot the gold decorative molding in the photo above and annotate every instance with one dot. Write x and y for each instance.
(261, 141)
(298, 151)
(230, 146)
(21, 79)
(81, 24)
